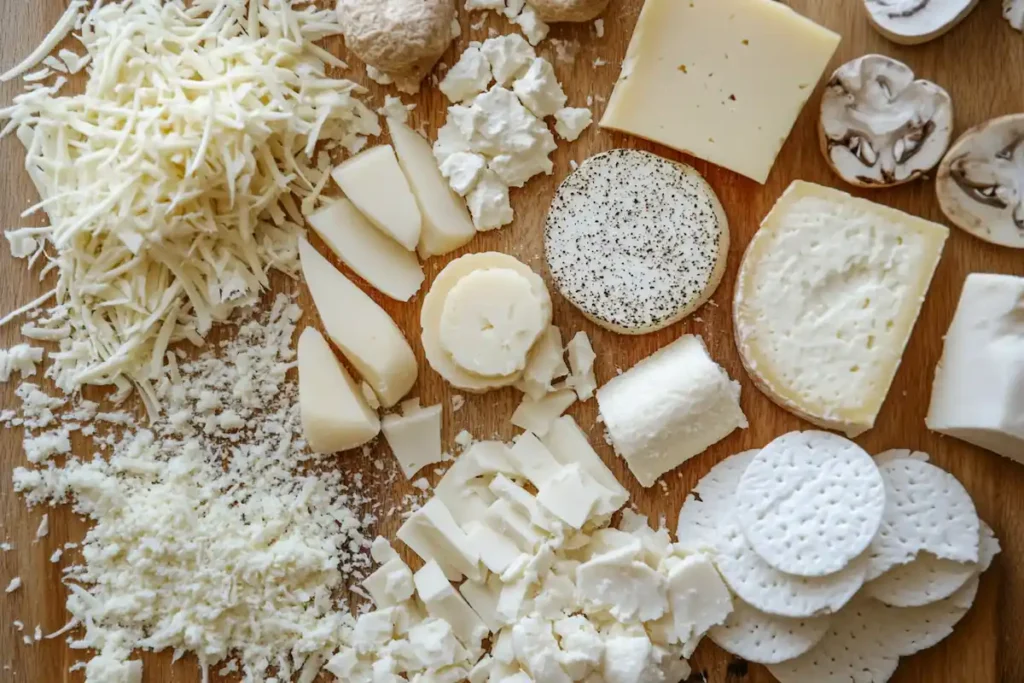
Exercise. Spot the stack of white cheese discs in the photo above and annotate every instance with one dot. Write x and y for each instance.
(481, 318)
(839, 562)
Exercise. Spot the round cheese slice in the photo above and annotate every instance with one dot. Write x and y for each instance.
(636, 242)
(438, 356)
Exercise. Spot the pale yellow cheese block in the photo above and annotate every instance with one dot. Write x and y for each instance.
(723, 80)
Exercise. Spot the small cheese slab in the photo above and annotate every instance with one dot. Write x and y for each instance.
(723, 80)
(375, 183)
(415, 438)
(433, 534)
(334, 415)
(977, 395)
(828, 293)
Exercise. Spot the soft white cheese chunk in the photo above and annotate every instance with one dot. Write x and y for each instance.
(497, 551)
(533, 460)
(538, 89)
(544, 366)
(483, 598)
(581, 360)
(434, 644)
(582, 646)
(669, 407)
(414, 438)
(523, 502)
(571, 495)
(624, 586)
(433, 534)
(489, 203)
(568, 444)
(537, 415)
(570, 122)
(514, 525)
(977, 395)
(469, 77)
(698, 597)
(463, 170)
(533, 27)
(510, 56)
(373, 630)
(463, 488)
(444, 602)
(537, 650)
(375, 183)
(391, 584)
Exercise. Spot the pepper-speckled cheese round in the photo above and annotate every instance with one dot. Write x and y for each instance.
(636, 242)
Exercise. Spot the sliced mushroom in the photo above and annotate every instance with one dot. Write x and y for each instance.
(879, 127)
(1013, 10)
(981, 181)
(912, 22)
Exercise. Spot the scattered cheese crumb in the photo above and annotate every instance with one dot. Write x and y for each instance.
(44, 528)
(599, 27)
(458, 401)
(21, 359)
(14, 585)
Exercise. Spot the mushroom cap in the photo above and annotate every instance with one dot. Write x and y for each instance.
(980, 183)
(1013, 11)
(912, 22)
(879, 127)
(555, 11)
(397, 36)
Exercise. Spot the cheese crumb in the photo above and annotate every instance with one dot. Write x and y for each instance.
(14, 585)
(21, 359)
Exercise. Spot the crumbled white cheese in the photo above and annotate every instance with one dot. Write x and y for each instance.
(469, 77)
(21, 359)
(510, 56)
(572, 121)
(533, 27)
(599, 27)
(43, 530)
(489, 202)
(14, 585)
(463, 171)
(539, 90)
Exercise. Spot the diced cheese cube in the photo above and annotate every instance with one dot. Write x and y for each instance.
(391, 584)
(373, 630)
(434, 645)
(443, 602)
(522, 501)
(514, 525)
(503, 650)
(481, 671)
(582, 646)
(537, 415)
(483, 598)
(497, 551)
(375, 183)
(512, 600)
(381, 551)
(627, 588)
(723, 80)
(433, 534)
(533, 460)
(568, 444)
(571, 495)
(698, 597)
(537, 650)
(415, 438)
(977, 395)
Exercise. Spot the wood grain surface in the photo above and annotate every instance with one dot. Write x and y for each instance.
(981, 64)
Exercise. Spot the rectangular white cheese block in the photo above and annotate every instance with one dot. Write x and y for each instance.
(415, 438)
(826, 299)
(533, 460)
(537, 415)
(497, 551)
(568, 444)
(433, 534)
(391, 584)
(463, 488)
(723, 80)
(444, 602)
(978, 395)
(483, 598)
(571, 495)
(512, 524)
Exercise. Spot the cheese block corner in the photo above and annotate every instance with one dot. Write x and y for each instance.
(827, 296)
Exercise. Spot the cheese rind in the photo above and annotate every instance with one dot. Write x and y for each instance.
(364, 332)
(828, 293)
(334, 415)
(723, 80)
(978, 394)
(669, 407)
(375, 183)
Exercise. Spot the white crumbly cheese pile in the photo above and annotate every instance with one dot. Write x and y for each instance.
(215, 536)
(21, 359)
(519, 12)
(177, 179)
(495, 137)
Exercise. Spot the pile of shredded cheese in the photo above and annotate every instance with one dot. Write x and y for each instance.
(178, 178)
(214, 531)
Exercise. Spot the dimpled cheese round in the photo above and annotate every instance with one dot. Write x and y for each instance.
(810, 502)
(491, 320)
(636, 242)
(433, 308)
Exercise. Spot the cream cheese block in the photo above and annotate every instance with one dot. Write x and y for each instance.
(978, 395)
(723, 80)
(436, 316)
(669, 408)
(828, 293)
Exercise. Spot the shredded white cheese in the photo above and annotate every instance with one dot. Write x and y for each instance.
(173, 183)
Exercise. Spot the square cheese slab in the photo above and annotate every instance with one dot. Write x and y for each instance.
(723, 80)
(978, 394)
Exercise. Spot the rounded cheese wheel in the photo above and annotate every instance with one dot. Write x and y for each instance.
(490, 321)
(636, 242)
(433, 309)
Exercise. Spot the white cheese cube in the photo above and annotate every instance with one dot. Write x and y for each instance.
(670, 407)
(514, 525)
(483, 598)
(373, 630)
(391, 584)
(443, 602)
(571, 495)
(537, 415)
(737, 72)
(978, 395)
(538, 89)
(462, 488)
(537, 650)
(533, 460)
(544, 366)
(698, 597)
(497, 552)
(522, 501)
(469, 77)
(433, 534)
(414, 438)
(568, 444)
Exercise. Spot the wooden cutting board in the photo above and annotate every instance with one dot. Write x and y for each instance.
(981, 64)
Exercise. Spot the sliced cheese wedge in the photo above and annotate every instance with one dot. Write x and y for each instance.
(363, 331)
(827, 296)
(433, 309)
(446, 222)
(374, 256)
(334, 415)
(538, 415)
(374, 181)
(414, 437)
(545, 365)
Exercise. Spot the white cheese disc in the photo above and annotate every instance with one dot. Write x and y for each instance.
(636, 242)
(826, 298)
(710, 501)
(924, 580)
(433, 306)
(769, 590)
(899, 454)
(765, 638)
(490, 321)
(927, 509)
(810, 502)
